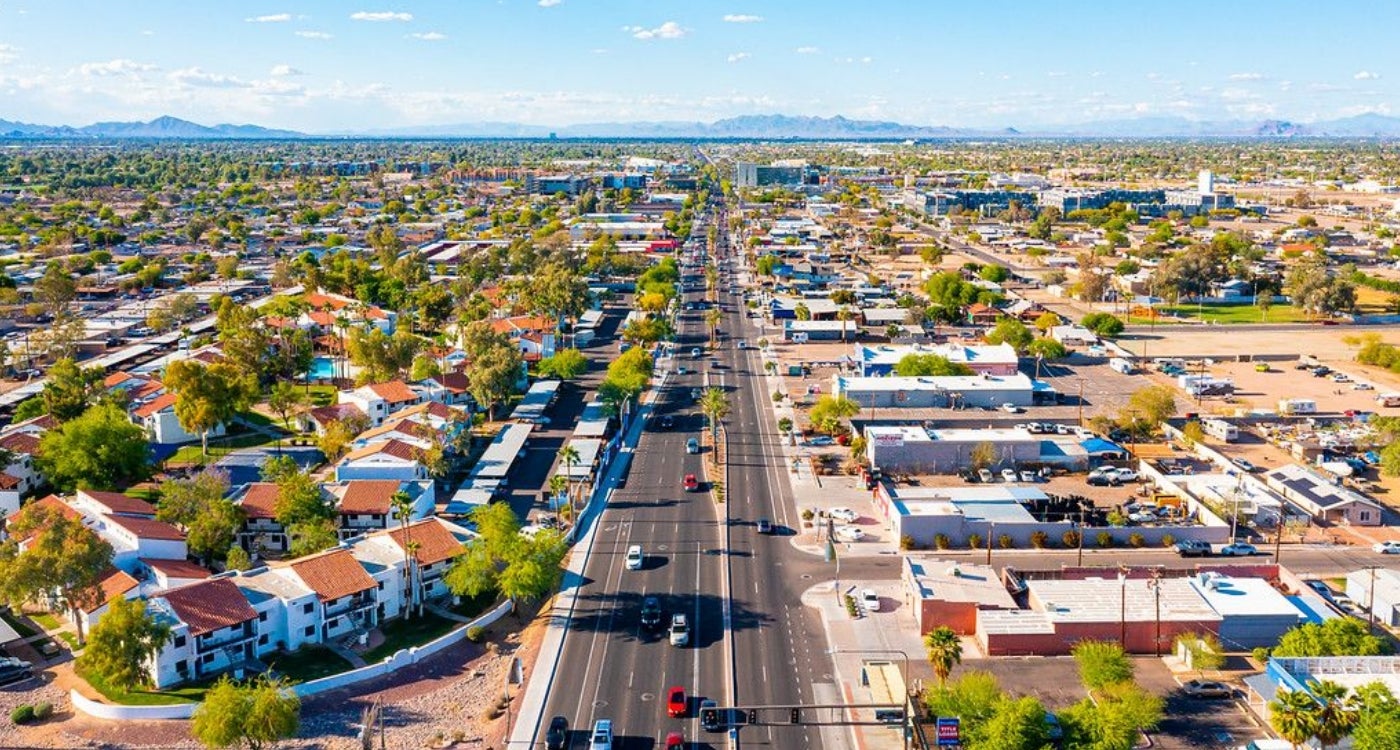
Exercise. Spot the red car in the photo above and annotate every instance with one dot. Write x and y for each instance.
(691, 483)
(675, 703)
(675, 741)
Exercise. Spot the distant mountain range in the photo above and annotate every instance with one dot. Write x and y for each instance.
(743, 127)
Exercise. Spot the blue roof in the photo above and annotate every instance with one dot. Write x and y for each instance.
(1099, 445)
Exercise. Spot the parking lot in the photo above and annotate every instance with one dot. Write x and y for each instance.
(1263, 390)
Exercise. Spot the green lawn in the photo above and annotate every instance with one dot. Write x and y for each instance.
(322, 395)
(138, 697)
(218, 448)
(46, 621)
(473, 606)
(1226, 314)
(401, 634)
(307, 663)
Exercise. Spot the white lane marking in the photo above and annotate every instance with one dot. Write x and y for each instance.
(612, 617)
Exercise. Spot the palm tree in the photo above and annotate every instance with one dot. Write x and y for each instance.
(1293, 714)
(403, 508)
(713, 317)
(569, 455)
(1336, 715)
(714, 404)
(944, 651)
(557, 484)
(844, 315)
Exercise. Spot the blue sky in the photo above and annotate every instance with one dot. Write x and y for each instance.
(337, 66)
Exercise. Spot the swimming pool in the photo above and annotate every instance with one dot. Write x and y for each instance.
(322, 368)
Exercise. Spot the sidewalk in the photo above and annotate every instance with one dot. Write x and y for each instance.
(885, 636)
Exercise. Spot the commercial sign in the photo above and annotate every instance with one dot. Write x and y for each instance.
(889, 439)
(947, 731)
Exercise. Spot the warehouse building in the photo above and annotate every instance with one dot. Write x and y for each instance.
(948, 391)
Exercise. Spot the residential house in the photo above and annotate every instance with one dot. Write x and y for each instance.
(978, 314)
(288, 611)
(436, 544)
(448, 388)
(261, 530)
(347, 598)
(170, 574)
(23, 446)
(158, 418)
(1321, 498)
(9, 493)
(366, 505)
(135, 537)
(316, 420)
(328, 311)
(379, 400)
(1074, 335)
(94, 503)
(115, 584)
(386, 459)
(212, 628)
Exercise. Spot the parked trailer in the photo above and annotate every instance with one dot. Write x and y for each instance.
(1122, 365)
(1297, 406)
(1220, 430)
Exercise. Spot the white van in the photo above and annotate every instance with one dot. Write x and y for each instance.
(1122, 365)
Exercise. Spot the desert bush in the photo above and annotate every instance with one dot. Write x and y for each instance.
(974, 541)
(1040, 539)
(1070, 538)
(23, 714)
(1105, 539)
(941, 541)
(1136, 540)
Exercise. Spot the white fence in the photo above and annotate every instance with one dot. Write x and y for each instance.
(390, 664)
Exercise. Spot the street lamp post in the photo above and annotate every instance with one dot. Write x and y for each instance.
(1123, 607)
(831, 555)
(1155, 583)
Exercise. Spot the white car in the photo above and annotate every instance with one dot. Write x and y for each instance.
(1386, 548)
(1126, 475)
(680, 630)
(1008, 475)
(1238, 549)
(845, 515)
(849, 533)
(1010, 408)
(635, 557)
(870, 600)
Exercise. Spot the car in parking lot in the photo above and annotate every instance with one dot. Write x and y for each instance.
(843, 514)
(1207, 689)
(1391, 547)
(676, 702)
(14, 670)
(849, 533)
(1193, 548)
(1010, 408)
(695, 353)
(1238, 549)
(985, 475)
(1029, 476)
(680, 630)
(1320, 587)
(1244, 465)
(870, 600)
(1362, 387)
(820, 441)
(557, 736)
(1008, 475)
(635, 557)
(691, 483)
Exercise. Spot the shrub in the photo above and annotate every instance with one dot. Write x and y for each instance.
(1136, 540)
(1040, 539)
(851, 605)
(808, 514)
(906, 542)
(777, 396)
(785, 424)
(23, 714)
(1070, 538)
(941, 541)
(1168, 540)
(974, 541)
(1105, 539)
(1260, 654)
(1115, 518)
(1005, 541)
(476, 633)
(43, 710)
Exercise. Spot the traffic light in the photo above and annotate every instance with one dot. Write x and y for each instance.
(710, 717)
(753, 716)
(795, 717)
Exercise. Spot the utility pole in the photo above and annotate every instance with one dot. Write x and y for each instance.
(1079, 536)
(1080, 420)
(991, 532)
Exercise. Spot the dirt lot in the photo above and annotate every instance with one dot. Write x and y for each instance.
(1263, 390)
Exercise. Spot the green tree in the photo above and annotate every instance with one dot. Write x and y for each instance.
(338, 434)
(500, 559)
(1336, 715)
(714, 404)
(1014, 725)
(828, 412)
(1114, 719)
(312, 536)
(626, 378)
(1011, 331)
(198, 506)
(256, 715)
(122, 643)
(237, 559)
(802, 312)
(1046, 321)
(494, 376)
(207, 396)
(1192, 433)
(948, 294)
(982, 455)
(1103, 324)
(55, 289)
(927, 365)
(1047, 348)
(1293, 714)
(973, 697)
(1378, 715)
(100, 450)
(300, 499)
(285, 399)
(1101, 663)
(60, 555)
(402, 504)
(1149, 407)
(1342, 636)
(69, 389)
(564, 364)
(944, 651)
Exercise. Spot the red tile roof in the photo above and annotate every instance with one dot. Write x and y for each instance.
(155, 405)
(116, 502)
(210, 605)
(112, 586)
(148, 528)
(52, 502)
(394, 391)
(366, 496)
(396, 448)
(260, 500)
(8, 481)
(20, 442)
(333, 575)
(327, 414)
(177, 568)
(435, 542)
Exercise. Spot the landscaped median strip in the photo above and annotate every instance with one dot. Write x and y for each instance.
(714, 463)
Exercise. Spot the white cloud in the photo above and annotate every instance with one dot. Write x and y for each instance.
(314, 35)
(549, 3)
(807, 50)
(600, 50)
(737, 56)
(8, 53)
(430, 36)
(1366, 75)
(742, 18)
(118, 67)
(1056, 74)
(380, 16)
(1246, 76)
(284, 70)
(197, 76)
(668, 30)
(866, 60)
(273, 18)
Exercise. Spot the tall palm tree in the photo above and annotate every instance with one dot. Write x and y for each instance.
(714, 404)
(557, 484)
(1293, 714)
(569, 455)
(713, 317)
(944, 651)
(403, 508)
